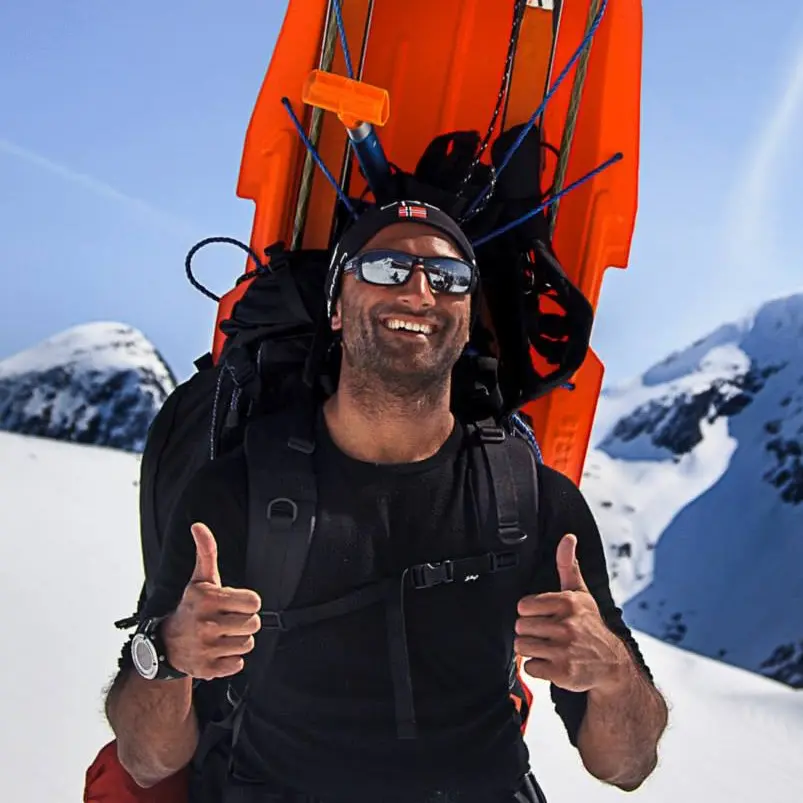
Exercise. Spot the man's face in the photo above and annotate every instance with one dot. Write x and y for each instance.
(368, 317)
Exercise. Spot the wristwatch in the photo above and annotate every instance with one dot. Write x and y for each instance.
(149, 654)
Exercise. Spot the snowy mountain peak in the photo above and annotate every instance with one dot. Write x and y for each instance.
(697, 483)
(667, 412)
(713, 354)
(99, 383)
(774, 325)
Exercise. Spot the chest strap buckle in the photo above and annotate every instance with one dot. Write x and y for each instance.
(427, 575)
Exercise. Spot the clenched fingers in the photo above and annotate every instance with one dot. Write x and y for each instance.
(224, 625)
(239, 600)
(536, 648)
(220, 668)
(544, 628)
(229, 646)
(542, 669)
(224, 600)
(556, 603)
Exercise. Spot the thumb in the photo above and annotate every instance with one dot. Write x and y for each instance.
(206, 568)
(571, 579)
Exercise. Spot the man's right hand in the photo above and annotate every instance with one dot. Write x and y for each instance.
(212, 627)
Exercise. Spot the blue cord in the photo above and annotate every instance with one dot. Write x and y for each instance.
(528, 435)
(531, 122)
(316, 156)
(617, 157)
(341, 28)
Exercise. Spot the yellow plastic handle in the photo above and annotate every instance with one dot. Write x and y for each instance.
(353, 101)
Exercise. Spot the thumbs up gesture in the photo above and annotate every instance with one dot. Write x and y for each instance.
(563, 635)
(213, 626)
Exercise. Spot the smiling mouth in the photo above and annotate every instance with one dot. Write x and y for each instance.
(414, 327)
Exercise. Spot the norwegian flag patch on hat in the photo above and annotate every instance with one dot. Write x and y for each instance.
(412, 211)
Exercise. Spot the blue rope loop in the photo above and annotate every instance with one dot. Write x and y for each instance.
(617, 157)
(318, 161)
(341, 29)
(587, 39)
(521, 427)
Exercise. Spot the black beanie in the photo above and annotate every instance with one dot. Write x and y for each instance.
(377, 218)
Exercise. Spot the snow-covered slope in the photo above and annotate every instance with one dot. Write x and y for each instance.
(697, 482)
(99, 383)
(70, 565)
(733, 737)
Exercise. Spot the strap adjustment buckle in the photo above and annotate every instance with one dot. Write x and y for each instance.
(511, 534)
(272, 620)
(427, 575)
(282, 513)
(503, 560)
(491, 434)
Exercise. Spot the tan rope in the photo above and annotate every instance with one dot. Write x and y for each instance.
(571, 117)
(316, 122)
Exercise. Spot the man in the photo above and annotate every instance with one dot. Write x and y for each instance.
(394, 489)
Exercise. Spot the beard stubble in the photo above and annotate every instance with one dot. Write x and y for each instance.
(382, 372)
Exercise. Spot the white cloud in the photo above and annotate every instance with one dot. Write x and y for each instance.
(100, 188)
(750, 235)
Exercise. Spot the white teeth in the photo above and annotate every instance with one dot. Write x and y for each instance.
(409, 326)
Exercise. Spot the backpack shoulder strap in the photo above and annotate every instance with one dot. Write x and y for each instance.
(513, 473)
(512, 467)
(282, 498)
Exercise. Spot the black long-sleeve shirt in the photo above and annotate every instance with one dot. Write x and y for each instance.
(323, 718)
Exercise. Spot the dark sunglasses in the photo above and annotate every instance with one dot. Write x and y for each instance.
(394, 268)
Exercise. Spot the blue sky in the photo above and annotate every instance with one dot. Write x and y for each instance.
(121, 131)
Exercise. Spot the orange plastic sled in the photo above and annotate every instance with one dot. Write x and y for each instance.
(441, 64)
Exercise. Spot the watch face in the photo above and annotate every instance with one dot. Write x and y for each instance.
(143, 653)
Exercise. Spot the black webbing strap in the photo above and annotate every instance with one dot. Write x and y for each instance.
(354, 601)
(421, 576)
(530, 791)
(404, 702)
(461, 570)
(282, 498)
(391, 592)
(514, 483)
(281, 519)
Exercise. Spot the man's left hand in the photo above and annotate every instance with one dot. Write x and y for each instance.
(564, 636)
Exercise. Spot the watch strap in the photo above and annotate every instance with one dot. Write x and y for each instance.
(149, 630)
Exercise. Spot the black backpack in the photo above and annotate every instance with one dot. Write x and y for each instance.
(259, 395)
(279, 362)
